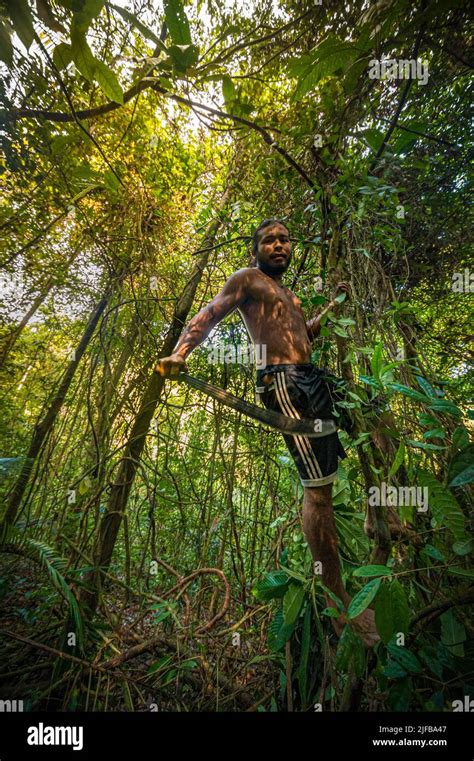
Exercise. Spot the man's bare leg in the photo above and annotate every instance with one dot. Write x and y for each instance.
(320, 531)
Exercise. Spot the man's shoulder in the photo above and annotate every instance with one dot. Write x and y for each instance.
(245, 275)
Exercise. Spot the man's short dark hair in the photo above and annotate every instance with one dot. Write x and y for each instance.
(262, 225)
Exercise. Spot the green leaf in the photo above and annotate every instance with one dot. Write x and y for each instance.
(392, 614)
(82, 54)
(373, 570)
(135, 21)
(425, 386)
(279, 632)
(344, 648)
(429, 656)
(433, 552)
(89, 10)
(339, 331)
(363, 598)
(22, 21)
(394, 670)
(461, 437)
(111, 180)
(443, 405)
(461, 468)
(160, 664)
(62, 55)
(444, 506)
(457, 570)
(376, 361)
(424, 445)
(330, 612)
(177, 22)
(425, 419)
(228, 88)
(328, 57)
(292, 603)
(463, 547)
(273, 585)
(436, 433)
(453, 633)
(407, 391)
(108, 81)
(6, 46)
(399, 457)
(405, 658)
(373, 138)
(350, 652)
(183, 56)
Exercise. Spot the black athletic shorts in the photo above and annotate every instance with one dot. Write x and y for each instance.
(300, 391)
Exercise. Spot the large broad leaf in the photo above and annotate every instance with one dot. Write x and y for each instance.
(376, 361)
(22, 22)
(363, 598)
(108, 82)
(273, 585)
(373, 137)
(279, 632)
(177, 22)
(461, 469)
(351, 533)
(292, 603)
(392, 614)
(6, 46)
(399, 457)
(444, 506)
(327, 58)
(82, 54)
(62, 55)
(405, 658)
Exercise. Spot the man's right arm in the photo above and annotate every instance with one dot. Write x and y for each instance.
(232, 295)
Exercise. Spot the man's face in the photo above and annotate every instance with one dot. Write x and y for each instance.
(274, 249)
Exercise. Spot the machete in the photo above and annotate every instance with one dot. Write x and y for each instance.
(283, 423)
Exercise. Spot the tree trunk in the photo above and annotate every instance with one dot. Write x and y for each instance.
(120, 490)
(45, 425)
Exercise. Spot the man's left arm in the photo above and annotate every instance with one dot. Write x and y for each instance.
(314, 326)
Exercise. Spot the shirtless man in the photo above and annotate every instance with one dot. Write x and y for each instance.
(289, 384)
